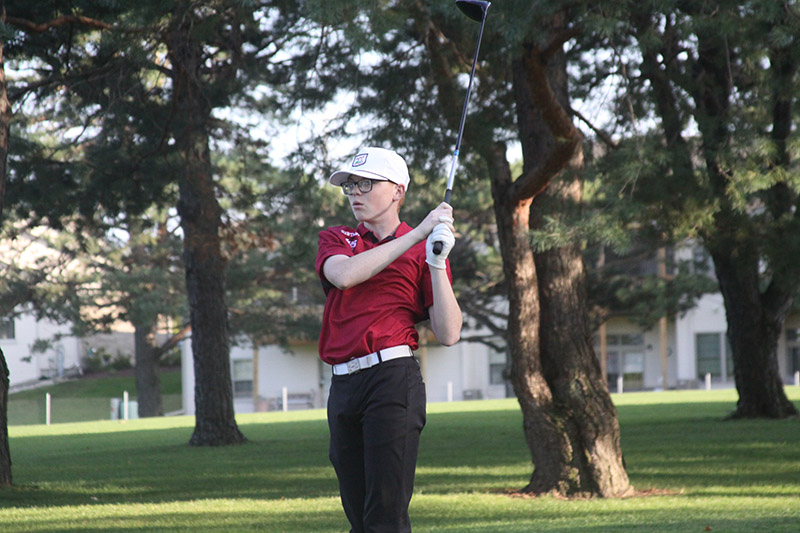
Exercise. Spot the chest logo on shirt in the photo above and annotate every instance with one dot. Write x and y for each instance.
(351, 237)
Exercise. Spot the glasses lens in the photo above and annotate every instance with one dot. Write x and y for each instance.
(349, 186)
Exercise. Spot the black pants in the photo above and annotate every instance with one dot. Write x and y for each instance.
(375, 418)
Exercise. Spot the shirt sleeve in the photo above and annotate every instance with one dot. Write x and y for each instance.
(333, 241)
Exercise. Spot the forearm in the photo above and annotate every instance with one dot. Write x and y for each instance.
(348, 271)
(445, 313)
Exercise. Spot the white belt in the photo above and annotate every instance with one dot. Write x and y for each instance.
(360, 363)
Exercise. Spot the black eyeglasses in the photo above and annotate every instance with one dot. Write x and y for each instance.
(348, 187)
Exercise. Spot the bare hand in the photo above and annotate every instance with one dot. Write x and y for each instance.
(443, 213)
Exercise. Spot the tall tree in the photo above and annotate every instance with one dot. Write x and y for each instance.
(56, 157)
(155, 87)
(731, 68)
(200, 219)
(6, 477)
(571, 424)
(166, 130)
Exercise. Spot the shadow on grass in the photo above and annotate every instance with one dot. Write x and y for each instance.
(693, 445)
(673, 446)
(220, 515)
(280, 461)
(590, 517)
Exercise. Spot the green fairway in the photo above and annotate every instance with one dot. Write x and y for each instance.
(141, 475)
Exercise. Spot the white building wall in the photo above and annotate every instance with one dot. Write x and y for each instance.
(298, 370)
(459, 372)
(187, 376)
(462, 369)
(442, 371)
(653, 378)
(708, 316)
(64, 354)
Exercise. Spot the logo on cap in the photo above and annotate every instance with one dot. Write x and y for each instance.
(359, 160)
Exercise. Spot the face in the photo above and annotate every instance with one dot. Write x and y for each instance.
(379, 202)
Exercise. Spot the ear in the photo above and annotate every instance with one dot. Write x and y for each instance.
(399, 192)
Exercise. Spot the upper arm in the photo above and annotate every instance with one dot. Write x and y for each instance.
(333, 270)
(332, 248)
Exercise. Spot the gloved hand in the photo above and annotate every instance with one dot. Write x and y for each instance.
(443, 234)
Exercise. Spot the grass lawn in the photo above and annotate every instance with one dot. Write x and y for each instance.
(713, 475)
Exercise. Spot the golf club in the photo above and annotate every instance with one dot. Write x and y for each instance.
(475, 10)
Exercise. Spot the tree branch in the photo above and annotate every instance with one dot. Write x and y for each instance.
(558, 40)
(567, 138)
(605, 137)
(173, 341)
(60, 21)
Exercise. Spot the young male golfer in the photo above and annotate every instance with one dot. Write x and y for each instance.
(381, 278)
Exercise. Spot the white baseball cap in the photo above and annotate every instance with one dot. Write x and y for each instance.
(375, 164)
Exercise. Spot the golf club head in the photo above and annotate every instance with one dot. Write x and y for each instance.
(474, 9)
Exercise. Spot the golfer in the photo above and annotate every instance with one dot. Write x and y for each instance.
(381, 278)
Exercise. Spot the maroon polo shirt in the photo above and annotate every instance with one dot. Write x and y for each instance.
(380, 312)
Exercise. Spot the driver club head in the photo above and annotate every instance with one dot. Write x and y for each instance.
(474, 9)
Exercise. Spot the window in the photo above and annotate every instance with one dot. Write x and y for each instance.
(625, 359)
(497, 367)
(793, 349)
(709, 360)
(633, 368)
(634, 339)
(242, 377)
(612, 370)
(713, 356)
(7, 328)
(496, 373)
(794, 359)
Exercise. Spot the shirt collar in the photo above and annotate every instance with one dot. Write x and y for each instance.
(401, 230)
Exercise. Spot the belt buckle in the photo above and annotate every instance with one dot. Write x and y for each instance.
(353, 366)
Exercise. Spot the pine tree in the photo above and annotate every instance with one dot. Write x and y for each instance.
(150, 88)
(5, 120)
(731, 68)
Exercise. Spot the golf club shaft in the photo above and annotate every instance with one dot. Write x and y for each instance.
(437, 246)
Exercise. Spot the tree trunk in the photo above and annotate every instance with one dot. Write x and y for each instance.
(570, 423)
(755, 316)
(5, 120)
(541, 432)
(589, 458)
(148, 383)
(5, 451)
(215, 423)
(755, 322)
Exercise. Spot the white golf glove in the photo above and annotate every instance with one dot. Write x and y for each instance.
(441, 233)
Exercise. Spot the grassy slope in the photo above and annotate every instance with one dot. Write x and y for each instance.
(85, 399)
(142, 476)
